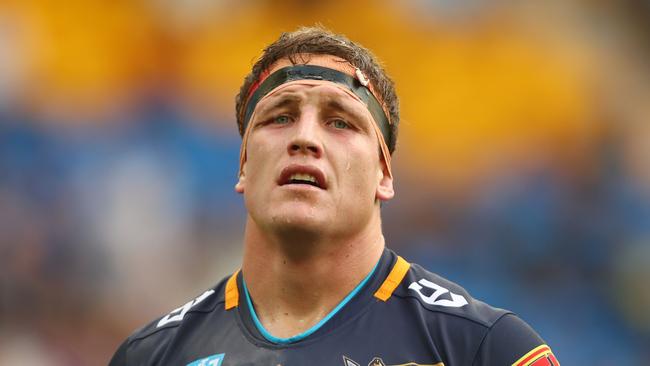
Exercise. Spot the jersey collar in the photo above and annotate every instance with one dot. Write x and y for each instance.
(377, 287)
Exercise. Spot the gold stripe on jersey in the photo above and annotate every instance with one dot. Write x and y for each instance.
(232, 293)
(393, 280)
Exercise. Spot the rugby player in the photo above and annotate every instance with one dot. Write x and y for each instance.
(318, 117)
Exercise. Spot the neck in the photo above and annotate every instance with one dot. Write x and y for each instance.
(294, 284)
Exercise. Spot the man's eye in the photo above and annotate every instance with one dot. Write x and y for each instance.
(281, 120)
(340, 124)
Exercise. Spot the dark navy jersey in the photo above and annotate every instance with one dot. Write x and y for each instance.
(400, 314)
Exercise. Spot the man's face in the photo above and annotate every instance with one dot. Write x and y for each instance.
(313, 162)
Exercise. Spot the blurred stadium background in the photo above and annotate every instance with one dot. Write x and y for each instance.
(523, 167)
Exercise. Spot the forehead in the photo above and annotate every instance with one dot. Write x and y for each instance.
(321, 93)
(325, 60)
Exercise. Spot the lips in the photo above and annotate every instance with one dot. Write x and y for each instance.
(302, 174)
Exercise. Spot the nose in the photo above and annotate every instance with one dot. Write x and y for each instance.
(306, 136)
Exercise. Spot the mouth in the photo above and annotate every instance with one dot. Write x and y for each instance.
(302, 175)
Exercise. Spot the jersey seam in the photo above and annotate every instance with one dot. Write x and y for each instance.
(487, 332)
(481, 323)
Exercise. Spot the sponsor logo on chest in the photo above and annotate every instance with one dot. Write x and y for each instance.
(379, 362)
(214, 360)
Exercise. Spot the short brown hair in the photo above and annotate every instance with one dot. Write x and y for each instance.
(319, 40)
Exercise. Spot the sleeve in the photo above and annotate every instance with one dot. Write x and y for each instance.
(119, 358)
(512, 342)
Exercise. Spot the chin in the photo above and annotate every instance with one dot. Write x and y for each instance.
(297, 222)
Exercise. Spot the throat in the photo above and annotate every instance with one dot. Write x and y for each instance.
(285, 327)
(285, 322)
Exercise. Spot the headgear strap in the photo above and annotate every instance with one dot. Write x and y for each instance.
(314, 72)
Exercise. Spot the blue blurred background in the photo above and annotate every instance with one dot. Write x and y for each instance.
(523, 166)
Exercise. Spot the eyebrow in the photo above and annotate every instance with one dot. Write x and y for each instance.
(341, 107)
(336, 105)
(284, 100)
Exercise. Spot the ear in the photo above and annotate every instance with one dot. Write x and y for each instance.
(239, 187)
(385, 189)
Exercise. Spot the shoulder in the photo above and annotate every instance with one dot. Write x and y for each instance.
(437, 295)
(492, 336)
(206, 302)
(511, 341)
(157, 335)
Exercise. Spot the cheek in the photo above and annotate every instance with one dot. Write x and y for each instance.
(258, 156)
(361, 168)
